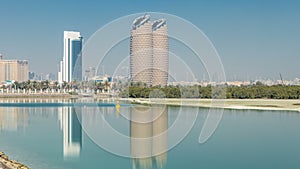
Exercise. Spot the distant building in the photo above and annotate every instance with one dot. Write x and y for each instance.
(50, 77)
(89, 73)
(70, 68)
(60, 71)
(13, 70)
(31, 75)
(102, 79)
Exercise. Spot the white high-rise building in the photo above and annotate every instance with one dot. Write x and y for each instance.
(60, 72)
(71, 66)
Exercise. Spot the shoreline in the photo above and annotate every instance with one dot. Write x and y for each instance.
(39, 95)
(50, 95)
(237, 104)
(6, 163)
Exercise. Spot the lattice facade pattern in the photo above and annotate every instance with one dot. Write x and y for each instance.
(149, 57)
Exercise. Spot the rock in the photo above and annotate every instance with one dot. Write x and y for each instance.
(5, 163)
(5, 157)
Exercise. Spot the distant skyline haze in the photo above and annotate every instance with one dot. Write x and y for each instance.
(255, 39)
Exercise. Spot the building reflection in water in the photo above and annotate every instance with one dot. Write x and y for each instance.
(12, 119)
(72, 131)
(149, 138)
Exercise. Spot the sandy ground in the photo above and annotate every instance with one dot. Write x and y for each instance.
(255, 104)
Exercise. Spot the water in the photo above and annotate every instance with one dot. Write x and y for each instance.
(52, 137)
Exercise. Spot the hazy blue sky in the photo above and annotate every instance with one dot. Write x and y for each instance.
(257, 38)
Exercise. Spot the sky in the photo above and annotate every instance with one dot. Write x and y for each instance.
(255, 39)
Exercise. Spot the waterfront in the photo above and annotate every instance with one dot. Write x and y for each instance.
(43, 138)
(240, 104)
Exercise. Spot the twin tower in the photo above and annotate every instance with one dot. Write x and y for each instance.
(149, 52)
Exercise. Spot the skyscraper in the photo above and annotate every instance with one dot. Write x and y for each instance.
(149, 57)
(160, 53)
(71, 66)
(141, 50)
(60, 71)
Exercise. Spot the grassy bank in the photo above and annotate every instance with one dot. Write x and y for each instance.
(255, 104)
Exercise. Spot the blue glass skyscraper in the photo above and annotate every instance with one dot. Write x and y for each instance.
(71, 66)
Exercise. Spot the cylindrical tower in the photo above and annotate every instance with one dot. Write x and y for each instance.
(160, 53)
(141, 50)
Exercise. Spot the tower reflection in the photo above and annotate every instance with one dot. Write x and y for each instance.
(72, 131)
(13, 119)
(149, 138)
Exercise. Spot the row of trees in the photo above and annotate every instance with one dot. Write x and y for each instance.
(44, 85)
(235, 92)
(140, 90)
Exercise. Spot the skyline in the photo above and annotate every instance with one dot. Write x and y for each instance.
(254, 39)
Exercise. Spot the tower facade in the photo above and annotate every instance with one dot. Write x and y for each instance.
(141, 50)
(160, 53)
(71, 66)
(149, 57)
(14, 70)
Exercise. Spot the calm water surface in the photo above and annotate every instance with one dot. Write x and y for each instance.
(52, 137)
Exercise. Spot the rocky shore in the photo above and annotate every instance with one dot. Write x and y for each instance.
(6, 163)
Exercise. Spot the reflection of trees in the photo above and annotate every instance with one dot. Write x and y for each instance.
(149, 141)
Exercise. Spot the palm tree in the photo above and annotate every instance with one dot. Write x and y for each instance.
(16, 84)
(27, 85)
(99, 86)
(64, 85)
(106, 85)
(40, 85)
(35, 84)
(46, 84)
(56, 85)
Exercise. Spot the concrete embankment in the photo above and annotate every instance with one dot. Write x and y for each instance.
(6, 163)
(52, 95)
(39, 95)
